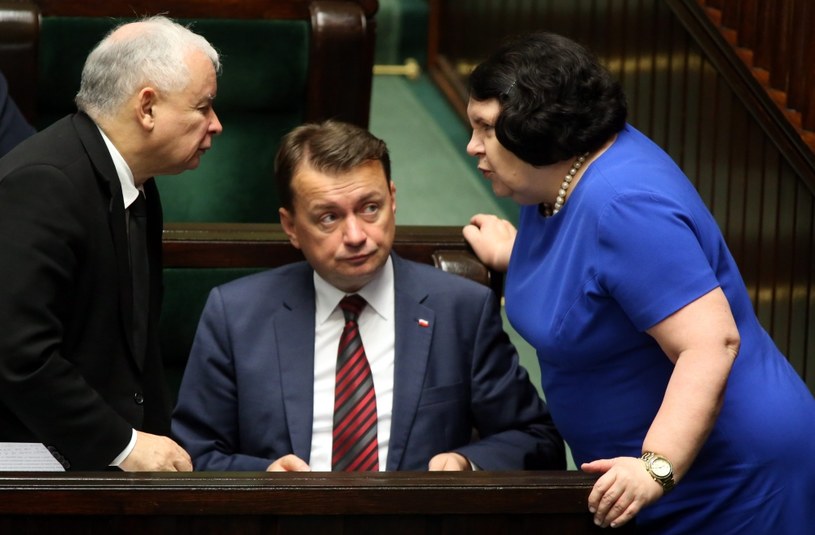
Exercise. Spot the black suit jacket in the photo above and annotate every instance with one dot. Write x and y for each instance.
(68, 375)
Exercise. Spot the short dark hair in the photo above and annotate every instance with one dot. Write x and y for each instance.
(329, 147)
(557, 100)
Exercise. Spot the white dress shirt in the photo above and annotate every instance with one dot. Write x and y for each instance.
(129, 193)
(377, 329)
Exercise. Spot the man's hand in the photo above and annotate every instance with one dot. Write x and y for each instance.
(154, 453)
(449, 462)
(289, 463)
(622, 491)
(492, 239)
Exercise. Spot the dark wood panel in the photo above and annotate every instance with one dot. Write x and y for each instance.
(217, 503)
(238, 9)
(265, 245)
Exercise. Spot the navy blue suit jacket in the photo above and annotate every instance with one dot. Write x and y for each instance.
(13, 126)
(247, 394)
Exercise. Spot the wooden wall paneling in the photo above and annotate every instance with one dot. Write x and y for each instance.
(784, 259)
(618, 45)
(731, 13)
(801, 276)
(734, 227)
(662, 93)
(720, 154)
(706, 134)
(796, 81)
(641, 52)
(808, 72)
(747, 23)
(692, 163)
(768, 238)
(780, 39)
(765, 40)
(754, 248)
(676, 106)
(809, 362)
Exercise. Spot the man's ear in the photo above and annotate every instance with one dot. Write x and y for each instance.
(393, 197)
(287, 222)
(145, 110)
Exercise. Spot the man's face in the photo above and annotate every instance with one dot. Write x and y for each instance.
(186, 120)
(344, 224)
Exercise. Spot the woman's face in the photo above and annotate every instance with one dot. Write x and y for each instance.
(510, 176)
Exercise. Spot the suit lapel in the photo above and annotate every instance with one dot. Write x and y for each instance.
(109, 183)
(414, 331)
(294, 331)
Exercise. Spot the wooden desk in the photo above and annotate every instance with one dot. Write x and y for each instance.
(491, 503)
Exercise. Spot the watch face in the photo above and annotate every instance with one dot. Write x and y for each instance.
(661, 467)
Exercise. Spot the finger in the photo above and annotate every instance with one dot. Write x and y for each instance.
(598, 490)
(183, 465)
(607, 501)
(436, 464)
(598, 466)
(629, 513)
(181, 460)
(292, 463)
(470, 232)
(478, 219)
(617, 508)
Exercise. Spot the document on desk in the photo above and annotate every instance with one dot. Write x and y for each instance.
(27, 457)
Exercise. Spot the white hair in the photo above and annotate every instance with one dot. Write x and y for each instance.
(154, 54)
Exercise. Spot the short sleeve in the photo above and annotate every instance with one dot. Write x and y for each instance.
(651, 259)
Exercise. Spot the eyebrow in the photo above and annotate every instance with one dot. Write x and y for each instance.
(481, 121)
(372, 197)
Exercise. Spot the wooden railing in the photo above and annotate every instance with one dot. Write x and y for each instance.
(775, 38)
(490, 503)
(265, 245)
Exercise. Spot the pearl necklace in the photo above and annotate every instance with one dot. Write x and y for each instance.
(548, 209)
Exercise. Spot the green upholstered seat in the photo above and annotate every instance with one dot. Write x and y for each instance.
(185, 293)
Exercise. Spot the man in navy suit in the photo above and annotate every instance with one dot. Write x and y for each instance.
(13, 126)
(258, 390)
(74, 374)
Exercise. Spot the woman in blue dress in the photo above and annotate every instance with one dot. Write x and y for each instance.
(655, 367)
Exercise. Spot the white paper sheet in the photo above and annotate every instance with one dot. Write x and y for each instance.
(27, 457)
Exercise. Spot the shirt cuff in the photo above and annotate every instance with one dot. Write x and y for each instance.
(125, 452)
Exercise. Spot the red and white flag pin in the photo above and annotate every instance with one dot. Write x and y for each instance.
(423, 323)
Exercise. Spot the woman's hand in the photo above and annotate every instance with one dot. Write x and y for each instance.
(492, 239)
(622, 491)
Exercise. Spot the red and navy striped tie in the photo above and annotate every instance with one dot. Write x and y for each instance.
(355, 445)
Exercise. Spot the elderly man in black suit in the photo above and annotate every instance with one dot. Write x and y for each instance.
(81, 269)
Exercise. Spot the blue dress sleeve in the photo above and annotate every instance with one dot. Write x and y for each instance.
(652, 256)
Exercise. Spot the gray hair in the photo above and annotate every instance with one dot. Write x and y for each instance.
(155, 54)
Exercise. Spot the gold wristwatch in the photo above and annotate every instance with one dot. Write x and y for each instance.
(660, 469)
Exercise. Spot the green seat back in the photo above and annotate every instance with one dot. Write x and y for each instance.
(185, 294)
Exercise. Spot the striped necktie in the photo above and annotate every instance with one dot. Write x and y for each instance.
(355, 446)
